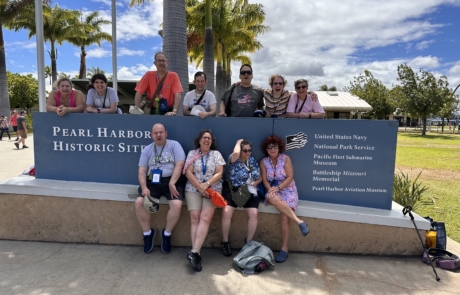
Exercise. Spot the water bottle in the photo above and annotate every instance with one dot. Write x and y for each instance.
(157, 106)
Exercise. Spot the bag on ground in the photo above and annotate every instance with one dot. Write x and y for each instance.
(436, 236)
(443, 259)
(254, 258)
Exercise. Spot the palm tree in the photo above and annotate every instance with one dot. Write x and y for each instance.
(58, 26)
(48, 72)
(174, 39)
(9, 10)
(236, 24)
(91, 34)
(63, 75)
(93, 71)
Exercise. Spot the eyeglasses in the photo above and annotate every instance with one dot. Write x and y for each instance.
(160, 60)
(278, 83)
(245, 72)
(247, 151)
(206, 137)
(301, 87)
(272, 147)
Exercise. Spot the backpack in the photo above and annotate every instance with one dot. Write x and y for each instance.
(254, 258)
(436, 236)
(443, 258)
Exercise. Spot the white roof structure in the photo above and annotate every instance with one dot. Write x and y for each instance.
(341, 101)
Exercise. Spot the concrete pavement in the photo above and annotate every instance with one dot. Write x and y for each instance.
(57, 268)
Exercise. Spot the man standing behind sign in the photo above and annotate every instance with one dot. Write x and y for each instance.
(164, 85)
(199, 98)
(159, 174)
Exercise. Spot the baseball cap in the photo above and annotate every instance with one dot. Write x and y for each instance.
(151, 204)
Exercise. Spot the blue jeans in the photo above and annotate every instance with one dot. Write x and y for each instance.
(7, 132)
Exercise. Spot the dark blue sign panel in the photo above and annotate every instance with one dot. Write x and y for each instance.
(347, 162)
(335, 161)
(106, 148)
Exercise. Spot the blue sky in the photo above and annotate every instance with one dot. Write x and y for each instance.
(325, 41)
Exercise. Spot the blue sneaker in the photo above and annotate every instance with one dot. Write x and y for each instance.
(149, 240)
(165, 243)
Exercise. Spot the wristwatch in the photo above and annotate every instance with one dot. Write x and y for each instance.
(279, 189)
(207, 182)
(98, 111)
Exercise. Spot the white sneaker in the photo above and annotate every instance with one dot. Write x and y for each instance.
(135, 110)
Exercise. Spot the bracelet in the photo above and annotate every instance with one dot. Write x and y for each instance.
(279, 188)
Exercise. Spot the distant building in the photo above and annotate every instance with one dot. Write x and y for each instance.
(342, 105)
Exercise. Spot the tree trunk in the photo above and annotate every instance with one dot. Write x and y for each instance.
(82, 74)
(424, 125)
(53, 56)
(228, 80)
(4, 98)
(219, 75)
(208, 61)
(175, 41)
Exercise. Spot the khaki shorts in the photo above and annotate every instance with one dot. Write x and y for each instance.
(22, 133)
(195, 201)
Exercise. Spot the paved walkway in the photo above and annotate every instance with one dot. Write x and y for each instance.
(41, 268)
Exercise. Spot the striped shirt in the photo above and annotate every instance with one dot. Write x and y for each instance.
(276, 106)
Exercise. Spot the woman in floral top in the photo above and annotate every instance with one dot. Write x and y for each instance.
(203, 168)
(243, 169)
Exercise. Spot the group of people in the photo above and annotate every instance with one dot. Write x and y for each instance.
(164, 170)
(159, 92)
(18, 122)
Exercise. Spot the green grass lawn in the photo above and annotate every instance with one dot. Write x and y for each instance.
(438, 157)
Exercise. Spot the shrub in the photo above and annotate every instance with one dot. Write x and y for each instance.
(408, 192)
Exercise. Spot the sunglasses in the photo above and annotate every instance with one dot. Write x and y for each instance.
(272, 147)
(278, 83)
(245, 72)
(301, 87)
(247, 151)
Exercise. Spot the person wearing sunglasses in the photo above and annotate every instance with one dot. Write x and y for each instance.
(281, 191)
(301, 105)
(244, 99)
(243, 170)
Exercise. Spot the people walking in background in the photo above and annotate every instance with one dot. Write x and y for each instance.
(14, 123)
(4, 125)
(22, 130)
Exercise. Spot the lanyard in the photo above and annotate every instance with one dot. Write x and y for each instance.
(247, 166)
(203, 164)
(297, 103)
(161, 86)
(157, 158)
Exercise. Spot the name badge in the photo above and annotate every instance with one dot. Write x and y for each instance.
(156, 176)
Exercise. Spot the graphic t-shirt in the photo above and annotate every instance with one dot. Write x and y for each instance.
(244, 100)
(191, 98)
(164, 160)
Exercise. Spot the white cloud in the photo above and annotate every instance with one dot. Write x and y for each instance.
(133, 73)
(325, 41)
(21, 45)
(125, 51)
(109, 2)
(97, 52)
(424, 44)
(425, 62)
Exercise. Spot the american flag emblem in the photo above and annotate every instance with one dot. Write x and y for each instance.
(296, 141)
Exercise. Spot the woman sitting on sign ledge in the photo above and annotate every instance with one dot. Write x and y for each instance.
(100, 98)
(278, 179)
(301, 105)
(65, 100)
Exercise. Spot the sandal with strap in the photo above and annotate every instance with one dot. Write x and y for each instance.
(226, 250)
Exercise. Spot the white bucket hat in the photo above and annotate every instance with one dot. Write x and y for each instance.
(196, 110)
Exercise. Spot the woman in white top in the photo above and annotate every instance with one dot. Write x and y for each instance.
(100, 98)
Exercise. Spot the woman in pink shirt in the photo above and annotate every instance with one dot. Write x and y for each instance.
(65, 99)
(301, 105)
